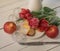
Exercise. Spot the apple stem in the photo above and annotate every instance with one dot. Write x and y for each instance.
(1, 28)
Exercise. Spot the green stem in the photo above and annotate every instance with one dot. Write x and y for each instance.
(56, 7)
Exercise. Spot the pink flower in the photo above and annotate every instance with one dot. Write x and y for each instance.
(34, 22)
(25, 14)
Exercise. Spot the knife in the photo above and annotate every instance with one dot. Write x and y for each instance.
(39, 43)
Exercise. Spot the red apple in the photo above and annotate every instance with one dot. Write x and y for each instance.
(9, 27)
(52, 31)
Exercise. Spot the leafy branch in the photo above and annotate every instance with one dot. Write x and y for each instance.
(49, 14)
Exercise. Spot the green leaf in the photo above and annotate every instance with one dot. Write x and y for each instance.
(47, 9)
(19, 20)
(56, 21)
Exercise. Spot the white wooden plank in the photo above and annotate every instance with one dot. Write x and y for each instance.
(4, 3)
(13, 47)
(56, 48)
(38, 48)
(12, 6)
(6, 39)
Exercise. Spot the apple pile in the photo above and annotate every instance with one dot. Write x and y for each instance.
(41, 25)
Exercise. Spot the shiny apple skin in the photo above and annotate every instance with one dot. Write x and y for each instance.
(52, 31)
(9, 27)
